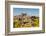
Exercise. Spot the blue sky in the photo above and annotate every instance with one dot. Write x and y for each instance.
(29, 11)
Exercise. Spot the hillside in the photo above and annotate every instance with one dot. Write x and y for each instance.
(23, 21)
